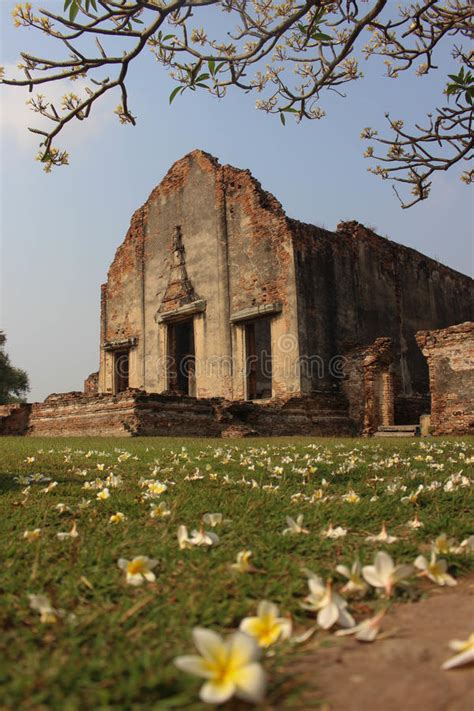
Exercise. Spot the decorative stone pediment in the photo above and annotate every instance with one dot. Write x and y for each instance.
(180, 290)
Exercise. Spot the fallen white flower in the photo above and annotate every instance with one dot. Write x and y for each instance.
(295, 526)
(330, 606)
(382, 537)
(465, 649)
(435, 570)
(384, 573)
(367, 630)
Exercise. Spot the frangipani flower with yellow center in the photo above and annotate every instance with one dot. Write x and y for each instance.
(42, 603)
(230, 667)
(384, 573)
(103, 495)
(294, 526)
(415, 523)
(465, 652)
(117, 517)
(267, 628)
(139, 569)
(159, 511)
(355, 583)
(330, 606)
(442, 544)
(203, 538)
(435, 570)
(365, 631)
(242, 564)
(382, 537)
(32, 535)
(351, 497)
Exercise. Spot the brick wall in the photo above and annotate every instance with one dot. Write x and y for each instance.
(450, 356)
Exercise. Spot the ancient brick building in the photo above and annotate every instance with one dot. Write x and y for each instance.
(215, 292)
(222, 316)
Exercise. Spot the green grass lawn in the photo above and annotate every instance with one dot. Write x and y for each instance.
(115, 643)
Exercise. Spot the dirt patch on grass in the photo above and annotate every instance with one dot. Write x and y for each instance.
(403, 670)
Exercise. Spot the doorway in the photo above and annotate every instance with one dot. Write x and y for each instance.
(258, 356)
(121, 371)
(181, 358)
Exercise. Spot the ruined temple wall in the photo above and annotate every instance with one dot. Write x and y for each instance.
(450, 356)
(238, 255)
(355, 286)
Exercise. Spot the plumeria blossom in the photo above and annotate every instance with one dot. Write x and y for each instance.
(159, 510)
(351, 497)
(212, 519)
(295, 526)
(203, 538)
(415, 523)
(32, 535)
(183, 538)
(355, 582)
(465, 653)
(62, 508)
(435, 570)
(52, 485)
(443, 545)
(64, 535)
(384, 573)
(48, 614)
(103, 495)
(412, 498)
(382, 537)
(117, 517)
(139, 569)
(330, 606)
(331, 532)
(230, 667)
(367, 630)
(242, 564)
(267, 627)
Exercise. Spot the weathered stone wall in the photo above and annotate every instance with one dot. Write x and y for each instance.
(14, 418)
(355, 286)
(238, 255)
(450, 355)
(91, 384)
(136, 413)
(368, 385)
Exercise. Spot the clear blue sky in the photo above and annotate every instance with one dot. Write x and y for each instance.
(60, 231)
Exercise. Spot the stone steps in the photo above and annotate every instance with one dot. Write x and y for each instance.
(398, 431)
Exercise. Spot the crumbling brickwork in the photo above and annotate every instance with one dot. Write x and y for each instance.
(14, 418)
(368, 385)
(136, 413)
(91, 384)
(450, 356)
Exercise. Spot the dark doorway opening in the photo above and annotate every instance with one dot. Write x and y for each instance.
(181, 358)
(121, 370)
(258, 353)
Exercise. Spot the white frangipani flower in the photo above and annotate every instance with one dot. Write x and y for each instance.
(415, 523)
(64, 535)
(382, 537)
(103, 495)
(331, 532)
(117, 517)
(384, 573)
(48, 614)
(32, 535)
(435, 570)
(465, 653)
(355, 583)
(267, 627)
(212, 519)
(295, 526)
(230, 667)
(242, 564)
(139, 569)
(203, 538)
(365, 631)
(159, 510)
(330, 606)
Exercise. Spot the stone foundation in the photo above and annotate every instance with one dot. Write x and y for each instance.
(136, 413)
(14, 418)
(450, 355)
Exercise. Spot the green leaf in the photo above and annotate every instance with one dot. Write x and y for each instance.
(73, 10)
(282, 118)
(321, 37)
(175, 92)
(212, 66)
(66, 4)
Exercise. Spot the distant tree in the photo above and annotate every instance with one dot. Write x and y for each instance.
(14, 382)
(287, 51)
